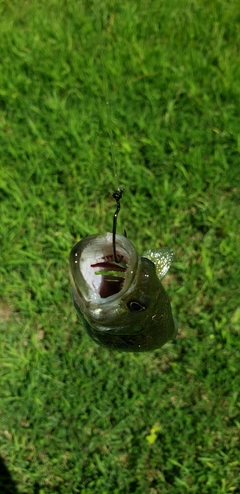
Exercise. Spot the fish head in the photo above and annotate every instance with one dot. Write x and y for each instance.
(123, 304)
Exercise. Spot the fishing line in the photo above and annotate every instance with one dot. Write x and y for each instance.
(106, 91)
(117, 195)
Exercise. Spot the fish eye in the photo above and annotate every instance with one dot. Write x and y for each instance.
(135, 305)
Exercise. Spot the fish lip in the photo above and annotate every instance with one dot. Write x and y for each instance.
(87, 252)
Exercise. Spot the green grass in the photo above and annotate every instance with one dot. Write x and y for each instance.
(74, 417)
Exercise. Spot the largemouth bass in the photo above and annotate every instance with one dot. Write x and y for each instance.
(122, 304)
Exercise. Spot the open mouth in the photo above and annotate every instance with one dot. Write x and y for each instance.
(112, 275)
(95, 274)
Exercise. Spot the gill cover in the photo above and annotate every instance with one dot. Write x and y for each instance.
(123, 304)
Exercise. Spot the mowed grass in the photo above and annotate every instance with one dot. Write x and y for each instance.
(74, 417)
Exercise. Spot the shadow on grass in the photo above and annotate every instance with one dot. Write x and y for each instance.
(7, 485)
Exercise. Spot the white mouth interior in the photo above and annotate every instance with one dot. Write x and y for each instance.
(104, 276)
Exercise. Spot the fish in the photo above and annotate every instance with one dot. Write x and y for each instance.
(119, 295)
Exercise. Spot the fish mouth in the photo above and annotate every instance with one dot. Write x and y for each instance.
(112, 275)
(95, 274)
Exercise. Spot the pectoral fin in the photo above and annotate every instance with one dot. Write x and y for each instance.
(162, 258)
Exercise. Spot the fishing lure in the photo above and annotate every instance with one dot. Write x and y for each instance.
(119, 295)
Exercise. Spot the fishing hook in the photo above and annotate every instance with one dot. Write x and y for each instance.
(117, 196)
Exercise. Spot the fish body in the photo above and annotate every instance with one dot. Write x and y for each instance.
(123, 304)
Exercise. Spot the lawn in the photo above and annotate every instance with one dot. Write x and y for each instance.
(76, 417)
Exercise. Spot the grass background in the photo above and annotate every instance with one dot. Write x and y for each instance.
(74, 417)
